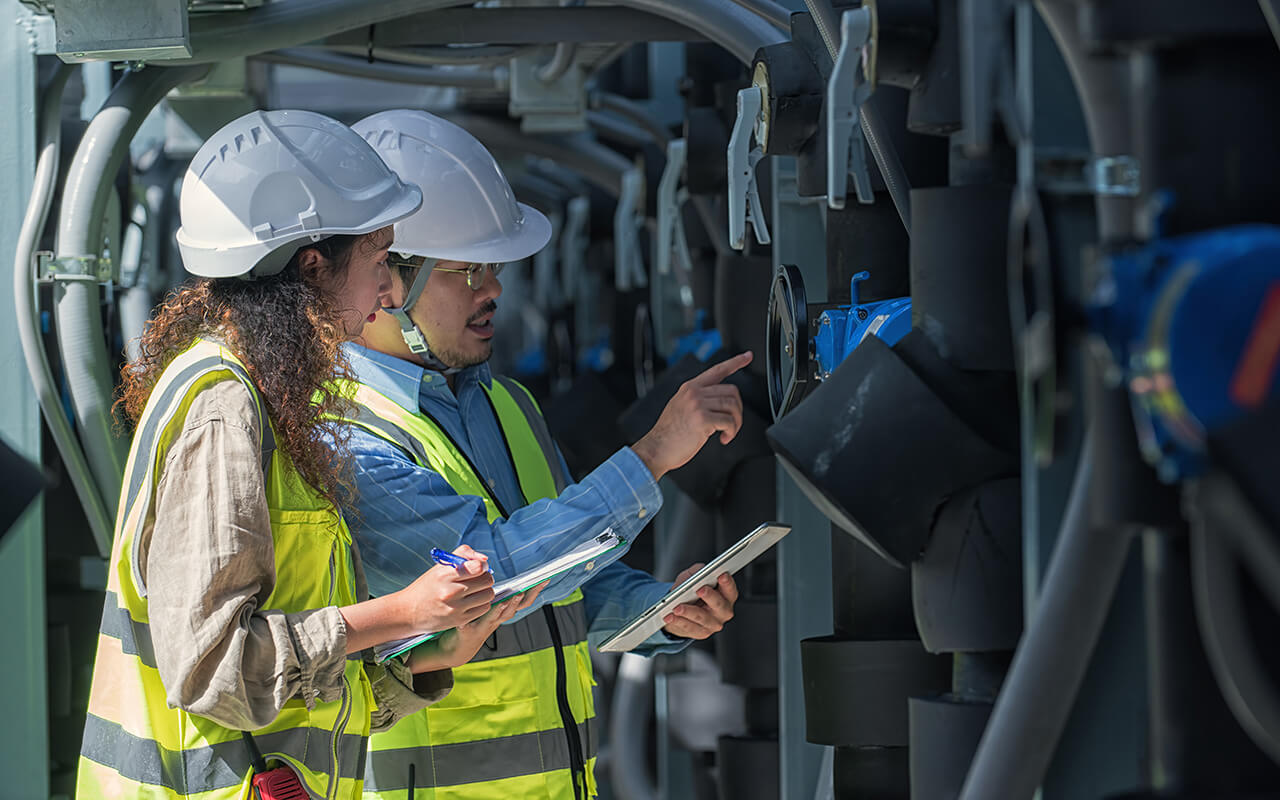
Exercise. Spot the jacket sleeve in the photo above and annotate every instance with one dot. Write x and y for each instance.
(209, 565)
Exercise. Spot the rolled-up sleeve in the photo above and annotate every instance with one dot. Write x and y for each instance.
(209, 565)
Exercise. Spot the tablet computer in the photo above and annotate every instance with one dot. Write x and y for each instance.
(735, 558)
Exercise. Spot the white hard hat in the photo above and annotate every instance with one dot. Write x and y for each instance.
(468, 211)
(272, 179)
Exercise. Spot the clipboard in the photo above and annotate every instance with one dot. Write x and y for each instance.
(600, 544)
(735, 558)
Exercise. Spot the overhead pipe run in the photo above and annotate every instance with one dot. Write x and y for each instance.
(286, 23)
(633, 111)
(77, 306)
(355, 67)
(27, 315)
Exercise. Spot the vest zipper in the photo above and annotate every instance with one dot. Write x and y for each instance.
(344, 716)
(577, 760)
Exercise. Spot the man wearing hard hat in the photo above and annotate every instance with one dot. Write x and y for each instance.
(449, 454)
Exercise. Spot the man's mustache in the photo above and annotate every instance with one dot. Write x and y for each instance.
(488, 308)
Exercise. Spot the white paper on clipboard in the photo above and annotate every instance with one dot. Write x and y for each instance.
(598, 545)
(735, 558)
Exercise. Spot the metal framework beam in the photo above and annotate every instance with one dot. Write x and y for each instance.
(547, 25)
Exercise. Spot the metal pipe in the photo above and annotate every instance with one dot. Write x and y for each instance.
(731, 27)
(874, 128)
(559, 64)
(24, 294)
(356, 67)
(77, 307)
(1056, 647)
(431, 55)
(776, 15)
(1103, 84)
(1246, 683)
(636, 113)
(286, 23)
(595, 162)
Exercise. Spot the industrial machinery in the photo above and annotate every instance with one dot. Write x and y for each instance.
(1011, 274)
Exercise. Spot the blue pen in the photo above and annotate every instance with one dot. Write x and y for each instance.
(448, 559)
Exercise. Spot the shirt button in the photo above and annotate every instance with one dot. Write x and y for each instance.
(590, 566)
(643, 513)
(492, 483)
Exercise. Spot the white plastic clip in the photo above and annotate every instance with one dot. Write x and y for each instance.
(744, 195)
(628, 262)
(847, 90)
(671, 197)
(573, 245)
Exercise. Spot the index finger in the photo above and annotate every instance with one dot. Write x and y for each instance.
(718, 372)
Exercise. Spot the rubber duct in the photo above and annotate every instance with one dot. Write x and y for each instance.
(749, 768)
(944, 735)
(958, 274)
(967, 588)
(878, 449)
(856, 691)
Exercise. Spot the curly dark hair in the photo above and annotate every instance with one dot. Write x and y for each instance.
(287, 333)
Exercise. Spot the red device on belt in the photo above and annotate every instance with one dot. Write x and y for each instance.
(280, 783)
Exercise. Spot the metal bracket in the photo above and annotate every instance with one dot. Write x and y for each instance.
(847, 90)
(573, 244)
(671, 238)
(1075, 173)
(628, 262)
(72, 268)
(744, 194)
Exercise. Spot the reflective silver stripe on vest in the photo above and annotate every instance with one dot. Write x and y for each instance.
(134, 636)
(473, 762)
(540, 431)
(530, 633)
(393, 433)
(216, 766)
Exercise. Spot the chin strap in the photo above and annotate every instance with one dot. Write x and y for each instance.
(409, 330)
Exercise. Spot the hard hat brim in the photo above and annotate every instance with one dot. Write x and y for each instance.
(269, 257)
(532, 235)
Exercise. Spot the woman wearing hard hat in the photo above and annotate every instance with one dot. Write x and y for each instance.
(231, 640)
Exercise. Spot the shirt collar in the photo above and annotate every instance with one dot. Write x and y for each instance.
(401, 380)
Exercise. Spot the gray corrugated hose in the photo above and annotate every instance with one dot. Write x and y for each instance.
(24, 295)
(77, 307)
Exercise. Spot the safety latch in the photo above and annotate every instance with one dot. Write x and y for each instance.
(744, 195)
(847, 90)
(628, 261)
(671, 197)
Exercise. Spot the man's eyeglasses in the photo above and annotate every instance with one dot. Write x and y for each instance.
(474, 272)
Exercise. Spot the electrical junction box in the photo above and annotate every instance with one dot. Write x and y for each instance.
(556, 106)
(121, 30)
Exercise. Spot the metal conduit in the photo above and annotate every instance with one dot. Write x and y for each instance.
(285, 23)
(873, 125)
(77, 308)
(633, 111)
(432, 55)
(559, 64)
(776, 15)
(24, 294)
(595, 162)
(356, 67)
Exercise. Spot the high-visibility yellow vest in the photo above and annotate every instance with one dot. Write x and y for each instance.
(520, 721)
(135, 746)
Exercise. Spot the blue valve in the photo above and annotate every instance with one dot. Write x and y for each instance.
(1194, 324)
(840, 330)
(701, 343)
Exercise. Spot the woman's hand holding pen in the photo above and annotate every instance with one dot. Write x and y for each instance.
(447, 596)
(459, 645)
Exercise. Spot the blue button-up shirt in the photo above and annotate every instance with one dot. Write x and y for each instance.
(404, 510)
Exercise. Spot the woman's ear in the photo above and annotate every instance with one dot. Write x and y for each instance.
(311, 265)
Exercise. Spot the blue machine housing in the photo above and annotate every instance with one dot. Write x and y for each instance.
(1194, 322)
(842, 329)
